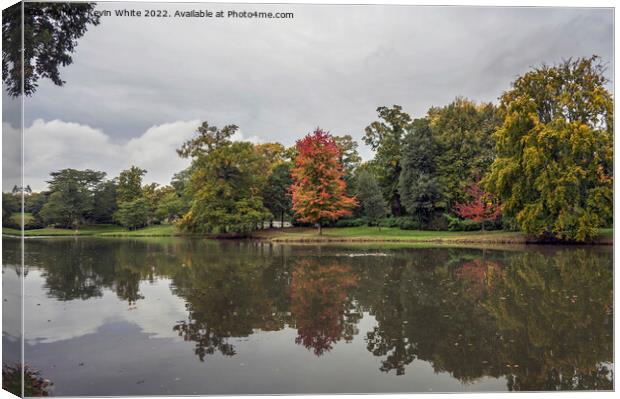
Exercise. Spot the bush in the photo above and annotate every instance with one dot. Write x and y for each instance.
(350, 222)
(456, 224)
(34, 224)
(406, 223)
(402, 222)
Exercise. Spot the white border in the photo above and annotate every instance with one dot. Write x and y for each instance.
(526, 3)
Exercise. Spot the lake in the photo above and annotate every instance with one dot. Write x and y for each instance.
(177, 316)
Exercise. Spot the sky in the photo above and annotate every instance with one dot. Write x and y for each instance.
(138, 87)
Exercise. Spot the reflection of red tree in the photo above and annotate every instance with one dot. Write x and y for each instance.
(318, 304)
(479, 273)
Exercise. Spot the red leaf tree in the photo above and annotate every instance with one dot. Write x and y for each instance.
(318, 188)
(482, 207)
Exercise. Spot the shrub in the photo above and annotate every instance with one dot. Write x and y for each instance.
(456, 224)
(351, 222)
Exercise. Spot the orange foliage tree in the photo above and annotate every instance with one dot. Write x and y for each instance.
(318, 188)
(482, 207)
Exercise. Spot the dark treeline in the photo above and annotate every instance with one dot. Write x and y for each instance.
(539, 162)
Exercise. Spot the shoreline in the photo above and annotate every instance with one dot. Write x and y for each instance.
(331, 235)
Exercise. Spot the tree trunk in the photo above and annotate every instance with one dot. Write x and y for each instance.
(271, 223)
(320, 229)
(282, 219)
(482, 223)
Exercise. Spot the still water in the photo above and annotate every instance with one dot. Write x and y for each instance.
(179, 316)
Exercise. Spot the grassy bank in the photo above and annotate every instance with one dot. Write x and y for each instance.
(387, 234)
(300, 234)
(100, 231)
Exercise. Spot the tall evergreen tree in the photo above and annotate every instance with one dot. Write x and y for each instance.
(385, 137)
(418, 185)
(368, 193)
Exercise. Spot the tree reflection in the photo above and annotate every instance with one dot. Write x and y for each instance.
(544, 320)
(227, 296)
(541, 318)
(321, 306)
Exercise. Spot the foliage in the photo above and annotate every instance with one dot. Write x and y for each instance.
(276, 193)
(554, 166)
(225, 185)
(71, 199)
(456, 224)
(133, 214)
(348, 222)
(50, 35)
(481, 208)
(463, 132)
(385, 137)
(402, 222)
(318, 189)
(418, 186)
(105, 203)
(129, 184)
(170, 207)
(34, 202)
(11, 204)
(370, 198)
(350, 159)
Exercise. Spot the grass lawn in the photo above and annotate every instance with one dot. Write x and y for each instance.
(305, 234)
(363, 234)
(98, 230)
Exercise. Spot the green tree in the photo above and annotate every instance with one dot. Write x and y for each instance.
(276, 193)
(71, 201)
(418, 185)
(385, 136)
(463, 131)
(11, 204)
(130, 184)
(50, 35)
(34, 202)
(370, 198)
(105, 202)
(133, 214)
(554, 166)
(349, 159)
(226, 183)
(170, 206)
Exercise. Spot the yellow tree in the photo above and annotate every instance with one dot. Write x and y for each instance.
(554, 167)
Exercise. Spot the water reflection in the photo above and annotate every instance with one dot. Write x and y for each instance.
(542, 319)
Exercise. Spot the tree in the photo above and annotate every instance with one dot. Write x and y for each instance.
(463, 132)
(226, 182)
(418, 185)
(369, 195)
(51, 31)
(318, 187)
(133, 214)
(71, 199)
(170, 206)
(482, 207)
(276, 193)
(349, 159)
(130, 184)
(105, 202)
(554, 167)
(385, 137)
(11, 204)
(274, 153)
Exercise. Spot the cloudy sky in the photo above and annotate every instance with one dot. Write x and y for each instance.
(138, 87)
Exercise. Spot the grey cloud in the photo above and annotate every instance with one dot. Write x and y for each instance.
(331, 66)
